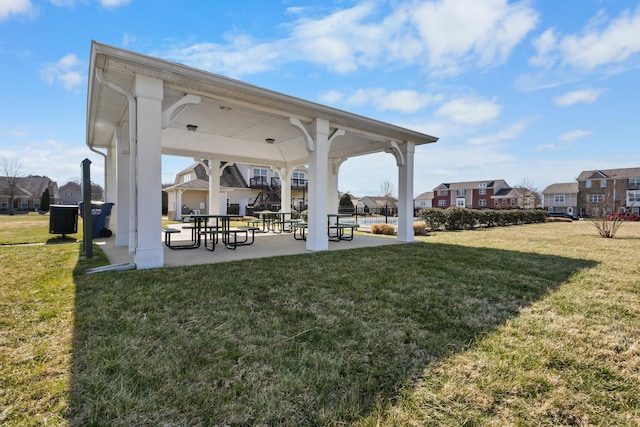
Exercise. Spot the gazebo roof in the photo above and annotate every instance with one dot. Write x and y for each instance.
(233, 119)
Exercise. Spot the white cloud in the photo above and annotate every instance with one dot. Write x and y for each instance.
(65, 72)
(112, 4)
(587, 95)
(405, 101)
(470, 111)
(460, 33)
(445, 37)
(332, 97)
(570, 136)
(603, 42)
(545, 147)
(10, 8)
(241, 56)
(505, 134)
(545, 46)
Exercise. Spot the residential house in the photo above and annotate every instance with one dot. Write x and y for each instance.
(492, 194)
(423, 201)
(378, 205)
(71, 193)
(562, 197)
(609, 190)
(243, 189)
(27, 192)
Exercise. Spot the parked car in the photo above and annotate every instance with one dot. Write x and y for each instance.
(623, 216)
(563, 215)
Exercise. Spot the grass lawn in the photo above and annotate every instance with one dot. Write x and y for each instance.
(530, 325)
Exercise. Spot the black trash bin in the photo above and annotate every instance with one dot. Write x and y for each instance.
(63, 219)
(100, 213)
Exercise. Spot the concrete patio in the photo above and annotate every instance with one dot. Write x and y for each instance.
(265, 245)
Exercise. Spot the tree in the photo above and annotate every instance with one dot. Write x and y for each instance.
(603, 209)
(346, 205)
(45, 201)
(10, 174)
(527, 195)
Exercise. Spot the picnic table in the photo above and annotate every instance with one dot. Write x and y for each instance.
(220, 226)
(275, 222)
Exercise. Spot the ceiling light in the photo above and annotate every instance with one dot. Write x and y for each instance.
(192, 128)
(270, 141)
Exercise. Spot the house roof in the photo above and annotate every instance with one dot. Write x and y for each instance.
(31, 186)
(491, 183)
(231, 177)
(426, 195)
(562, 188)
(609, 173)
(233, 118)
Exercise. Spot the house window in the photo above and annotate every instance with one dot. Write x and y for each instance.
(461, 192)
(634, 182)
(496, 202)
(68, 193)
(298, 175)
(186, 177)
(483, 185)
(24, 204)
(603, 183)
(587, 183)
(633, 196)
(259, 172)
(443, 192)
(423, 203)
(482, 202)
(482, 192)
(595, 198)
(442, 203)
(558, 198)
(513, 202)
(504, 202)
(460, 202)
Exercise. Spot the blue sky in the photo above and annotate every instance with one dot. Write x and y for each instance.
(533, 91)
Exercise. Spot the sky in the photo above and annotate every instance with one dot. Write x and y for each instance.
(533, 92)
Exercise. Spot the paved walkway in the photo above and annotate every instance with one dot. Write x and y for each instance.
(265, 245)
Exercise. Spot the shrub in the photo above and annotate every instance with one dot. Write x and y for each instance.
(386, 229)
(433, 217)
(419, 228)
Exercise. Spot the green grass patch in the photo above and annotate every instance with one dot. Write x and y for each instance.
(527, 325)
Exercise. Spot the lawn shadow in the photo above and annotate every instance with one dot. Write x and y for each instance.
(311, 339)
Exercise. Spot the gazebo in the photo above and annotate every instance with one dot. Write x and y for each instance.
(140, 107)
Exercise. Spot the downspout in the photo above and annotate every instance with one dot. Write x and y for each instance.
(104, 160)
(133, 149)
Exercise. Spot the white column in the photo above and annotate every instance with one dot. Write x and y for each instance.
(285, 189)
(405, 193)
(317, 239)
(149, 250)
(332, 185)
(179, 203)
(123, 177)
(215, 172)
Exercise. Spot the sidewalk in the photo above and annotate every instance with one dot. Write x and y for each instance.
(265, 245)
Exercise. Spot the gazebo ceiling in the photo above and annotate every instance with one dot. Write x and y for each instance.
(233, 118)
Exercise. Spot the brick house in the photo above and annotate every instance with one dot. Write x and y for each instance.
(562, 197)
(493, 194)
(609, 190)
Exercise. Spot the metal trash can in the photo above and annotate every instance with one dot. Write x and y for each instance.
(100, 213)
(63, 219)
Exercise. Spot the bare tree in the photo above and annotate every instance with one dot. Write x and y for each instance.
(527, 194)
(9, 181)
(603, 209)
(387, 190)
